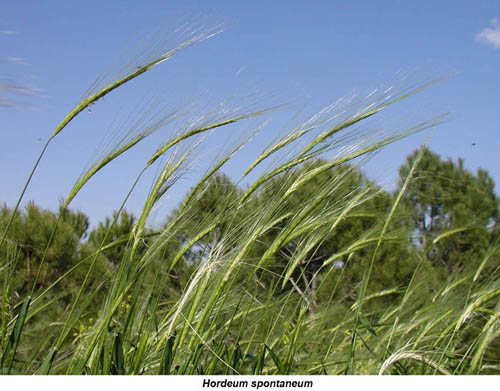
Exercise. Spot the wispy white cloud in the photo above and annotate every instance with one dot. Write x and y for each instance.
(12, 104)
(13, 60)
(10, 86)
(8, 103)
(13, 88)
(240, 70)
(490, 35)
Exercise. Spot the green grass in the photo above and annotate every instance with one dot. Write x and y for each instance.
(238, 313)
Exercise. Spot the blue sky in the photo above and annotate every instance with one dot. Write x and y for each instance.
(314, 52)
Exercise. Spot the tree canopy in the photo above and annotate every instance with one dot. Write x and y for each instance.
(452, 211)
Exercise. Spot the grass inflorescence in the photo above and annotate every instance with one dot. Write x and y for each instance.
(309, 269)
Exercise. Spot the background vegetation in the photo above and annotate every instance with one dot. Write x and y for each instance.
(310, 269)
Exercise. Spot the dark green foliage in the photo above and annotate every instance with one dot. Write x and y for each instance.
(444, 197)
(441, 199)
(113, 238)
(77, 220)
(394, 263)
(61, 273)
(320, 293)
(210, 205)
(28, 241)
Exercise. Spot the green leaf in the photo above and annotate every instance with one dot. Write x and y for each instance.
(118, 363)
(47, 362)
(276, 359)
(259, 365)
(237, 356)
(168, 356)
(11, 348)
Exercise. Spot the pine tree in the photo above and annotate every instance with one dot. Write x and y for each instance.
(452, 211)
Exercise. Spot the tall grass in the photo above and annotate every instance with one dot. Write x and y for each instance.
(237, 314)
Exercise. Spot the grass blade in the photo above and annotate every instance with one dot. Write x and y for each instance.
(10, 351)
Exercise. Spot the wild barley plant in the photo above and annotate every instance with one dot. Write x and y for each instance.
(242, 311)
